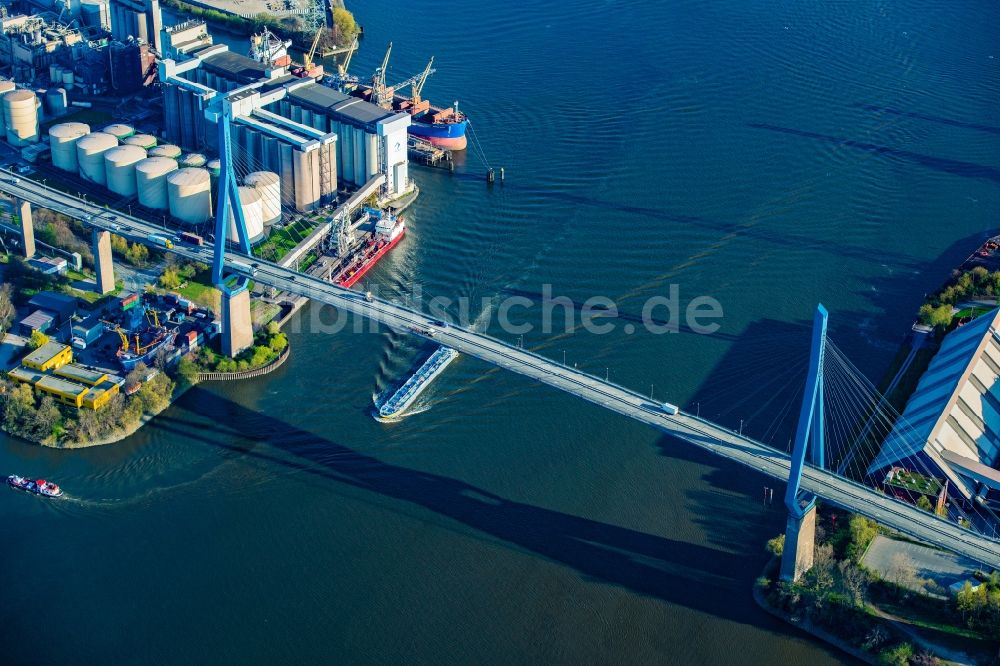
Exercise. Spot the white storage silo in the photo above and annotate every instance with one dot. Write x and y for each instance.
(119, 131)
(194, 160)
(189, 192)
(253, 214)
(62, 141)
(144, 141)
(268, 185)
(214, 167)
(55, 101)
(20, 111)
(55, 74)
(166, 150)
(6, 86)
(119, 164)
(90, 151)
(68, 79)
(151, 181)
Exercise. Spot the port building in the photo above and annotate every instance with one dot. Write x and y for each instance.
(315, 138)
(951, 423)
(50, 370)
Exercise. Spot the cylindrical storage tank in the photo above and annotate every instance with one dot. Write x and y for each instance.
(55, 73)
(90, 151)
(214, 167)
(189, 192)
(67, 79)
(193, 160)
(268, 186)
(62, 141)
(20, 111)
(144, 141)
(253, 214)
(55, 100)
(119, 131)
(166, 150)
(119, 163)
(5, 87)
(151, 181)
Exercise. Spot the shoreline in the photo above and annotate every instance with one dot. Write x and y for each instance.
(113, 438)
(808, 627)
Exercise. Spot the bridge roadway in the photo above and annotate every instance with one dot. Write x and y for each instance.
(705, 434)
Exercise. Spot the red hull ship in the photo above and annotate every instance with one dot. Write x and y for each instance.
(389, 230)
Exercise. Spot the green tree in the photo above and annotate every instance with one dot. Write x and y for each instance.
(187, 372)
(37, 340)
(776, 546)
(924, 503)
(137, 254)
(170, 279)
(939, 316)
(346, 26)
(6, 307)
(896, 656)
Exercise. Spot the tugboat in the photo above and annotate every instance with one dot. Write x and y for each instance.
(39, 487)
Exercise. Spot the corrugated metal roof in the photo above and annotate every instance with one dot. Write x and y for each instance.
(37, 319)
(953, 408)
(338, 104)
(235, 67)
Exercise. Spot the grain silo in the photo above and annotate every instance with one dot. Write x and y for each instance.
(144, 141)
(268, 185)
(20, 111)
(151, 181)
(6, 86)
(119, 131)
(214, 167)
(189, 192)
(166, 150)
(119, 164)
(253, 215)
(194, 160)
(62, 141)
(68, 79)
(90, 151)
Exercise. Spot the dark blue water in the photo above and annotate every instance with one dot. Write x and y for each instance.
(768, 154)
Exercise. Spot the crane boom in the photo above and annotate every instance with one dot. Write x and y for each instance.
(307, 59)
(418, 85)
(342, 67)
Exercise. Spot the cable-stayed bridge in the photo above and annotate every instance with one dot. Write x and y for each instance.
(807, 479)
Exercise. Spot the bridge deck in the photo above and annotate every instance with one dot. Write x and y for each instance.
(705, 434)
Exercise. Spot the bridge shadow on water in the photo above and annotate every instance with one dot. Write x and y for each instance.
(672, 570)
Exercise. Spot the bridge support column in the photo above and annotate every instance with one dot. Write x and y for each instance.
(800, 544)
(101, 241)
(237, 329)
(800, 533)
(22, 211)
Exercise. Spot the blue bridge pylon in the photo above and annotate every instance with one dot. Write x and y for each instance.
(800, 534)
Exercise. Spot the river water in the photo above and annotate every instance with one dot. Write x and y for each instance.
(768, 154)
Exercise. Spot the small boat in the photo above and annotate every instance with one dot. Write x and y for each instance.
(39, 486)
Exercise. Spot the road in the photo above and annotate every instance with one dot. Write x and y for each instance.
(704, 434)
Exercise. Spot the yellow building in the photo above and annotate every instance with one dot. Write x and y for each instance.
(49, 356)
(71, 384)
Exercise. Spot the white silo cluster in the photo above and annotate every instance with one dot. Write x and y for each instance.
(20, 112)
(119, 166)
(90, 151)
(151, 181)
(253, 214)
(62, 141)
(268, 186)
(189, 192)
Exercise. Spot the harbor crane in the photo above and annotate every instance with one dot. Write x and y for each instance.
(382, 94)
(342, 66)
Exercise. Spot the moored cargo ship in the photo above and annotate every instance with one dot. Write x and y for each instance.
(392, 408)
(389, 230)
